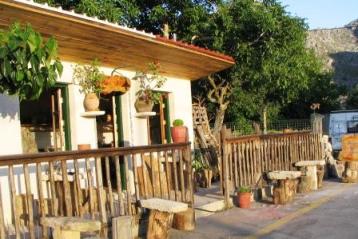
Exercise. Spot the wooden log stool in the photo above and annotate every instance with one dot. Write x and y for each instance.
(311, 179)
(350, 173)
(161, 216)
(70, 227)
(286, 187)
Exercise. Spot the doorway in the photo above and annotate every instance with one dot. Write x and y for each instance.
(159, 124)
(45, 123)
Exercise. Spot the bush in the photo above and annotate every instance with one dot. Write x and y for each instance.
(28, 65)
(244, 189)
(178, 122)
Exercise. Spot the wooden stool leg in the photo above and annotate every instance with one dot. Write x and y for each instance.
(159, 224)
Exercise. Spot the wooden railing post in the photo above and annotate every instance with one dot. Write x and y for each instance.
(225, 167)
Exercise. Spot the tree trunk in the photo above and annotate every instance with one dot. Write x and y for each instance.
(219, 120)
(264, 114)
(184, 221)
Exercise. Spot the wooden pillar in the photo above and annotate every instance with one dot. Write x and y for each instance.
(184, 221)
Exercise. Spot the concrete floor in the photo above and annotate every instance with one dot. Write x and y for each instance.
(331, 212)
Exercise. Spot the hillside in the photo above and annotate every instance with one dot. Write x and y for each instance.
(338, 48)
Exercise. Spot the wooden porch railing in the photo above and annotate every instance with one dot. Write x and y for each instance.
(246, 158)
(100, 184)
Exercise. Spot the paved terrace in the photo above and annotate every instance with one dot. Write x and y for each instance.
(331, 212)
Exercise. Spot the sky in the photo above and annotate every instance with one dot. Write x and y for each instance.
(323, 13)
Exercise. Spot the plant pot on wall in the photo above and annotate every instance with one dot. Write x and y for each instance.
(143, 105)
(91, 102)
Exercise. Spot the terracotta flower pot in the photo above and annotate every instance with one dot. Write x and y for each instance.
(244, 199)
(179, 134)
(91, 102)
(143, 105)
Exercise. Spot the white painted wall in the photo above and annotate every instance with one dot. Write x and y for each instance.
(10, 129)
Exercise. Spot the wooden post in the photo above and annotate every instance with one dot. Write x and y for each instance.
(225, 168)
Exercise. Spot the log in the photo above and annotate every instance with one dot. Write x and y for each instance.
(184, 221)
(320, 175)
(305, 184)
(284, 191)
(159, 224)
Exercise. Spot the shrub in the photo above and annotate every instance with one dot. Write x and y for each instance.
(244, 189)
(178, 122)
(28, 64)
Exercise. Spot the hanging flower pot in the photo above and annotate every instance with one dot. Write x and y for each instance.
(115, 84)
(91, 102)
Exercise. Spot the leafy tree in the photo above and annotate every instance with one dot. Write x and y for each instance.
(272, 62)
(352, 99)
(119, 11)
(321, 89)
(27, 63)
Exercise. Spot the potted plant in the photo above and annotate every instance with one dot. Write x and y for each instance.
(244, 197)
(115, 83)
(148, 81)
(179, 132)
(90, 78)
(28, 63)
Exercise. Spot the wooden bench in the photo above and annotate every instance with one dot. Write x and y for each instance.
(286, 187)
(310, 180)
(70, 227)
(161, 216)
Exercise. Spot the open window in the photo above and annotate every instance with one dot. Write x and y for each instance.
(159, 124)
(45, 122)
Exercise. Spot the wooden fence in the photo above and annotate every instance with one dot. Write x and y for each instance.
(100, 184)
(247, 158)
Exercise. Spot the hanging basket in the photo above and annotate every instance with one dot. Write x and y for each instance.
(118, 84)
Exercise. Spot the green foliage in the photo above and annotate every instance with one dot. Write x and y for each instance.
(321, 89)
(352, 99)
(89, 77)
(273, 65)
(197, 163)
(28, 65)
(178, 122)
(244, 189)
(149, 81)
(119, 11)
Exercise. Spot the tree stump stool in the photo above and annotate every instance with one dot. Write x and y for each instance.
(70, 227)
(309, 169)
(161, 216)
(350, 174)
(286, 187)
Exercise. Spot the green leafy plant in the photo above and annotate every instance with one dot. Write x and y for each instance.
(178, 122)
(149, 81)
(89, 77)
(244, 189)
(197, 163)
(28, 64)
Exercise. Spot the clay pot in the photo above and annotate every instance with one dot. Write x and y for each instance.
(244, 200)
(84, 146)
(179, 134)
(143, 105)
(91, 102)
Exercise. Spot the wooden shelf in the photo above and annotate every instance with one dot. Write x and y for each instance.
(91, 114)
